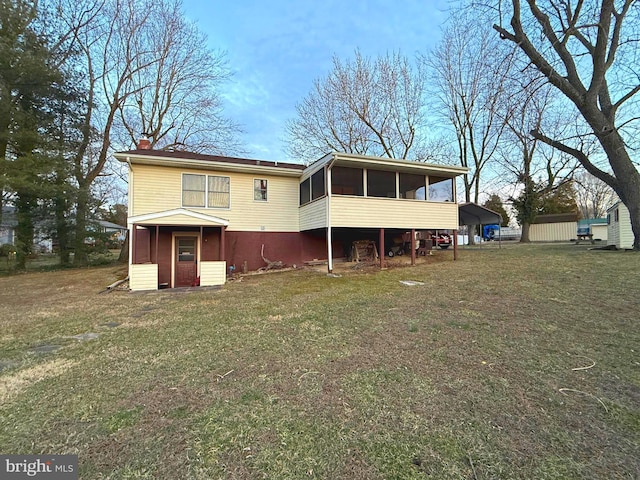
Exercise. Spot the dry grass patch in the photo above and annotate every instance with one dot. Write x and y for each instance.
(14, 383)
(300, 375)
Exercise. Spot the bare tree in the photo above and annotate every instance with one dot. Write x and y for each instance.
(470, 75)
(364, 106)
(536, 169)
(593, 196)
(176, 103)
(588, 50)
(147, 71)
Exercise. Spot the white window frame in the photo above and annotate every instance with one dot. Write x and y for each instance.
(206, 191)
(258, 188)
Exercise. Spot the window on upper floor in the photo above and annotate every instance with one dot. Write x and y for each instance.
(381, 183)
(440, 189)
(347, 181)
(305, 191)
(193, 190)
(317, 184)
(412, 186)
(260, 190)
(205, 191)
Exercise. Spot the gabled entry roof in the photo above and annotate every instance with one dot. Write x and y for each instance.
(179, 216)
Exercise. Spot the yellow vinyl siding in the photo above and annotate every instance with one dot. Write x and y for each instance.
(143, 277)
(368, 212)
(159, 189)
(314, 215)
(212, 273)
(553, 232)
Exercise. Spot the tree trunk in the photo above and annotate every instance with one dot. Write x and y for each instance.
(524, 238)
(81, 257)
(124, 251)
(627, 184)
(24, 229)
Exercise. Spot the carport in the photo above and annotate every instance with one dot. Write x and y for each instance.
(471, 214)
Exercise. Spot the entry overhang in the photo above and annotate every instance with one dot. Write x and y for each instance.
(179, 216)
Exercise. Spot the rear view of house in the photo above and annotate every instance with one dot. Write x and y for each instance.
(194, 216)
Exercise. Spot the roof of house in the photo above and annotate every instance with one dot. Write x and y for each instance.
(178, 154)
(199, 160)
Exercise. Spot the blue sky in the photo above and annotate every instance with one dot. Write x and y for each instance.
(276, 48)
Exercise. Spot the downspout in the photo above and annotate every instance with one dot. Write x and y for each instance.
(329, 232)
(130, 211)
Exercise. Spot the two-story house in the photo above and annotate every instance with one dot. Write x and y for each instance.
(192, 216)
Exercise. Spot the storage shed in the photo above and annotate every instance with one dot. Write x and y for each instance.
(619, 231)
(557, 227)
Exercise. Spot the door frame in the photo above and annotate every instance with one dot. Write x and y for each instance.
(173, 253)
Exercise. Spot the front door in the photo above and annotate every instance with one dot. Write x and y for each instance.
(186, 261)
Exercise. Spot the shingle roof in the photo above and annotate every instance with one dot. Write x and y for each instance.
(211, 158)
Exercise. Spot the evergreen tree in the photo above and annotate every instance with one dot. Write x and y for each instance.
(28, 81)
(495, 203)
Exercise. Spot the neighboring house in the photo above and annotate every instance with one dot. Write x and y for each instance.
(619, 226)
(193, 216)
(557, 227)
(115, 232)
(8, 225)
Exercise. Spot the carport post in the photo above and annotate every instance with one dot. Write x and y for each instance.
(329, 250)
(455, 244)
(413, 246)
(381, 248)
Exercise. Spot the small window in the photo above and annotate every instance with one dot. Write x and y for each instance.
(317, 184)
(608, 219)
(218, 192)
(616, 216)
(347, 181)
(305, 192)
(187, 249)
(412, 186)
(440, 189)
(260, 190)
(193, 190)
(381, 184)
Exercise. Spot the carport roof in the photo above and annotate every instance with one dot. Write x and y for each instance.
(474, 214)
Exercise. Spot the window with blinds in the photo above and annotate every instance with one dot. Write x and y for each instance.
(205, 191)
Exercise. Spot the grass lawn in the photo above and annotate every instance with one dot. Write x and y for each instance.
(514, 363)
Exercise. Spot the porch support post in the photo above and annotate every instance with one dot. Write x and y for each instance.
(413, 246)
(199, 260)
(381, 253)
(329, 250)
(223, 231)
(455, 244)
(157, 242)
(134, 237)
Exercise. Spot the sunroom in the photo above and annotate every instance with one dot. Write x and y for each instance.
(341, 193)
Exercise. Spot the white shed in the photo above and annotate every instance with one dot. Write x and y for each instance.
(619, 231)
